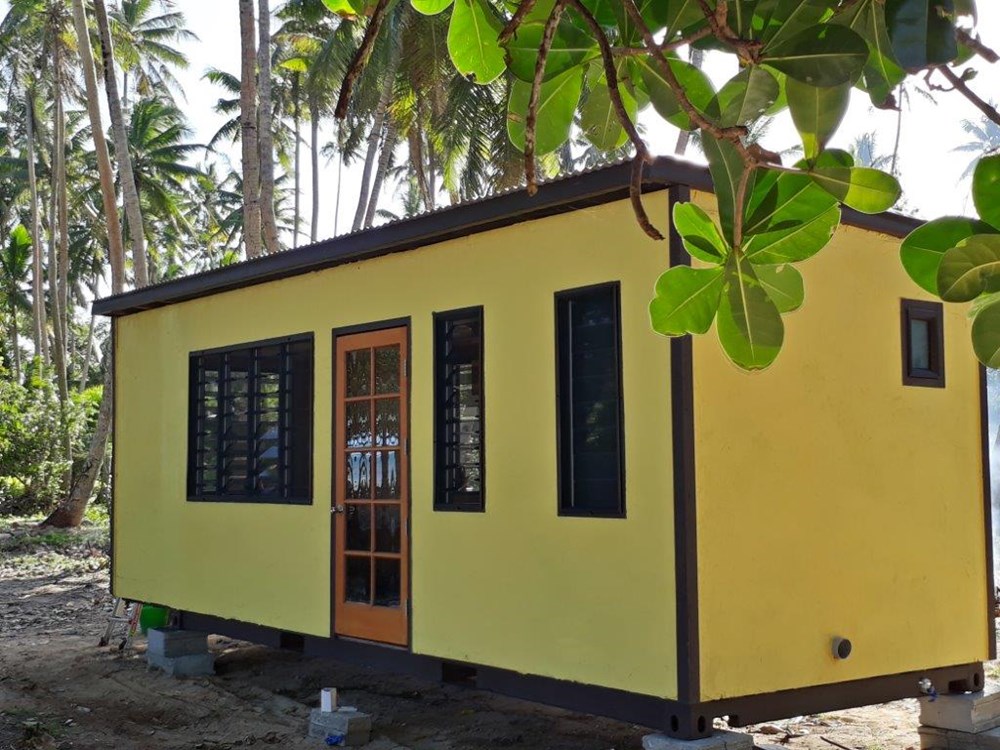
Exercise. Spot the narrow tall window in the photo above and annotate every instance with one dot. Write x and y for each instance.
(459, 411)
(923, 343)
(250, 422)
(589, 372)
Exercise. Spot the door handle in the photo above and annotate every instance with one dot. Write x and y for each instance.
(337, 509)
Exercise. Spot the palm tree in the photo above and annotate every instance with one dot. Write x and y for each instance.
(161, 154)
(984, 139)
(130, 191)
(15, 261)
(146, 34)
(249, 132)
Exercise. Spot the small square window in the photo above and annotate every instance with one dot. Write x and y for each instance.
(923, 343)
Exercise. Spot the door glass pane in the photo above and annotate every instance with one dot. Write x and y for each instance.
(387, 369)
(358, 424)
(387, 422)
(387, 582)
(387, 528)
(386, 475)
(359, 573)
(359, 527)
(358, 476)
(359, 372)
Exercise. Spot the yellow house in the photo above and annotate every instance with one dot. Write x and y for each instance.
(453, 446)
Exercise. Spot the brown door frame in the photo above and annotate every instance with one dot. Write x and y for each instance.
(336, 470)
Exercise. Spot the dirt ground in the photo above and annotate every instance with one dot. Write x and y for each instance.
(59, 690)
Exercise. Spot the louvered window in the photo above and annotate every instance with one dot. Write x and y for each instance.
(250, 424)
(459, 410)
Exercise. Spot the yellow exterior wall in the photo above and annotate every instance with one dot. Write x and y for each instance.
(834, 501)
(583, 599)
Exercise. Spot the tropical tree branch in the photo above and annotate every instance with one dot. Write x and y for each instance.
(515, 22)
(360, 58)
(536, 89)
(976, 45)
(958, 84)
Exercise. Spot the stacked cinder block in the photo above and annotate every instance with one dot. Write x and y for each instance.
(343, 726)
(967, 721)
(179, 653)
(720, 740)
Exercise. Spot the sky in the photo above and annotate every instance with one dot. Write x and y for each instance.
(930, 170)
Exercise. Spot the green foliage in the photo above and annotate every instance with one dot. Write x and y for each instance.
(32, 471)
(958, 259)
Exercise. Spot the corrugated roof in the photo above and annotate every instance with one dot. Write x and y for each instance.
(566, 193)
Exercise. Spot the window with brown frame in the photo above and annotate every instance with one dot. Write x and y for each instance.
(250, 422)
(459, 409)
(591, 449)
(923, 343)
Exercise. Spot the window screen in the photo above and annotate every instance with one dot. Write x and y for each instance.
(591, 441)
(459, 410)
(250, 422)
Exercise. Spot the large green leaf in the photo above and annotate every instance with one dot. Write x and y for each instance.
(745, 97)
(864, 189)
(822, 55)
(783, 285)
(817, 112)
(882, 72)
(598, 119)
(603, 11)
(694, 82)
(679, 14)
(557, 102)
(472, 40)
(346, 8)
(922, 36)
(986, 335)
(788, 218)
(782, 19)
(686, 300)
(726, 166)
(970, 269)
(430, 7)
(701, 237)
(986, 189)
(571, 46)
(923, 248)
(749, 325)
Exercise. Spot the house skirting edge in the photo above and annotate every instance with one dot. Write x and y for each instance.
(680, 720)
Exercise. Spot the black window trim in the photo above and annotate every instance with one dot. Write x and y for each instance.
(192, 422)
(933, 313)
(477, 505)
(561, 508)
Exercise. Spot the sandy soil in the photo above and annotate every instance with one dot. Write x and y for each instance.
(59, 690)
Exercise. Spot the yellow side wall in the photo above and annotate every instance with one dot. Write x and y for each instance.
(834, 501)
(583, 599)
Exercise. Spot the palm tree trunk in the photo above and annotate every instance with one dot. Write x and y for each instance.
(69, 513)
(37, 288)
(13, 339)
(248, 128)
(85, 374)
(374, 138)
(385, 156)
(340, 182)
(314, 164)
(265, 120)
(116, 248)
(59, 259)
(130, 191)
(297, 118)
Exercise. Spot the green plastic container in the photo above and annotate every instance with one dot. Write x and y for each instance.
(153, 617)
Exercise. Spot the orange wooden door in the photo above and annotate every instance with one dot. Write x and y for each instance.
(371, 476)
